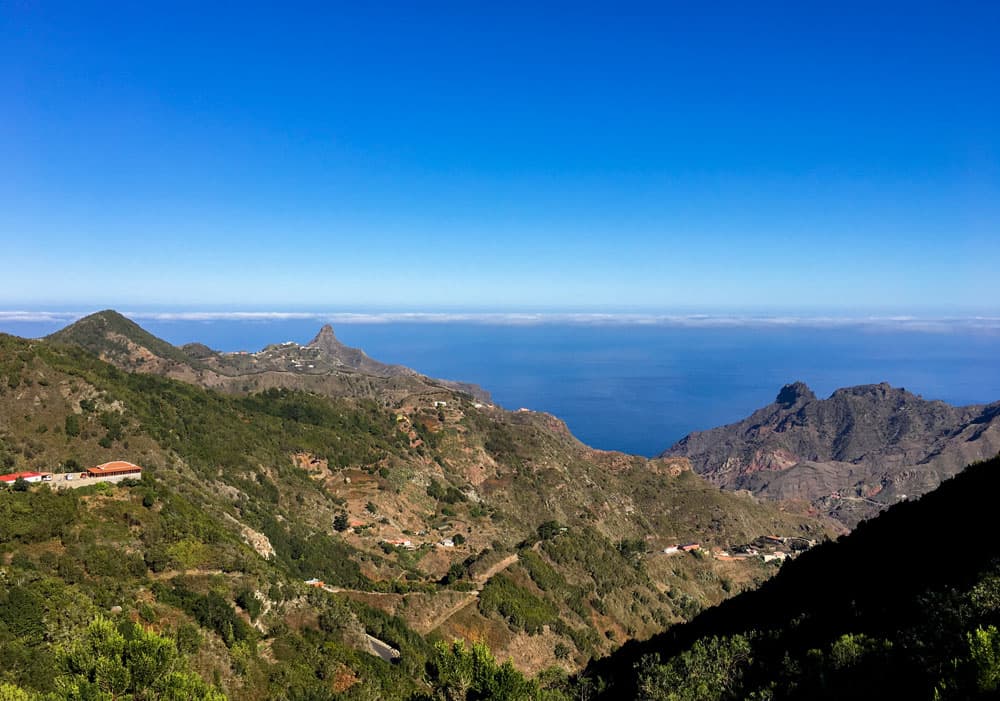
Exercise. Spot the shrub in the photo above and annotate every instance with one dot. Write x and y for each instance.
(340, 523)
(549, 529)
(249, 602)
(522, 609)
(72, 426)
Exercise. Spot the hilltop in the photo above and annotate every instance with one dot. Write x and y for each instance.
(427, 514)
(122, 342)
(324, 365)
(851, 455)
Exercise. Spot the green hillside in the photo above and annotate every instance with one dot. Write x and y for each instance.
(550, 556)
(110, 334)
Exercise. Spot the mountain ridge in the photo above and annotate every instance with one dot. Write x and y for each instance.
(851, 454)
(318, 366)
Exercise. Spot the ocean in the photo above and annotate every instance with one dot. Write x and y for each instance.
(634, 387)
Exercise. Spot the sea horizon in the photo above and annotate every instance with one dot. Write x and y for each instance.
(926, 319)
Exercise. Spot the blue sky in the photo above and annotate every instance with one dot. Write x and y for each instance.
(441, 155)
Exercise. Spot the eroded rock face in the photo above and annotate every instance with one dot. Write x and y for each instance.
(794, 393)
(255, 539)
(326, 340)
(854, 453)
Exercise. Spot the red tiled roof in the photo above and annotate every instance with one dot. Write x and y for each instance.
(12, 477)
(111, 468)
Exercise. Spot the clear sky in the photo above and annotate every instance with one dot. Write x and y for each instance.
(438, 155)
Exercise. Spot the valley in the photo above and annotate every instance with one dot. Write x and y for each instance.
(427, 513)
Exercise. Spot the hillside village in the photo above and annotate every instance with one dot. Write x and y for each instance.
(428, 513)
(112, 472)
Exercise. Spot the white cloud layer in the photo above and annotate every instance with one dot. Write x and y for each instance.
(908, 323)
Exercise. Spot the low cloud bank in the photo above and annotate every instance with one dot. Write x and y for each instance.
(901, 323)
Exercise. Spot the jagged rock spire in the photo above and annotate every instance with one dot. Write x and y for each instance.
(326, 339)
(795, 392)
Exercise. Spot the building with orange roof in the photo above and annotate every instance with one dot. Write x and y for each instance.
(113, 468)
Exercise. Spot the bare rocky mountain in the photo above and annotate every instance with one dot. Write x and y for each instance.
(851, 454)
(324, 365)
(325, 357)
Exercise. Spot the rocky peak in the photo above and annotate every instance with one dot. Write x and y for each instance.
(881, 391)
(864, 448)
(794, 393)
(326, 339)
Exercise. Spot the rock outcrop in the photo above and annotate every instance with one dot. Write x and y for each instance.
(852, 454)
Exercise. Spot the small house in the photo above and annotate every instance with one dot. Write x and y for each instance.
(690, 547)
(26, 476)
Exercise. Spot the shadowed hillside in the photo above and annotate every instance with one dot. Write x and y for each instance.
(903, 606)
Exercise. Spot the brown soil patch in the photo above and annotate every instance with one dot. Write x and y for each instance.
(318, 468)
(343, 679)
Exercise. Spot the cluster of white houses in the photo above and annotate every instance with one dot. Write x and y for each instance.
(114, 471)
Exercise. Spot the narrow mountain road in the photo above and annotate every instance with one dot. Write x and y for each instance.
(339, 590)
(439, 620)
(170, 574)
(479, 581)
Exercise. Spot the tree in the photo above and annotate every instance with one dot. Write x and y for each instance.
(72, 425)
(20, 485)
(340, 523)
(710, 670)
(849, 649)
(108, 663)
(9, 692)
(984, 651)
(248, 601)
(459, 673)
(549, 529)
(22, 612)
